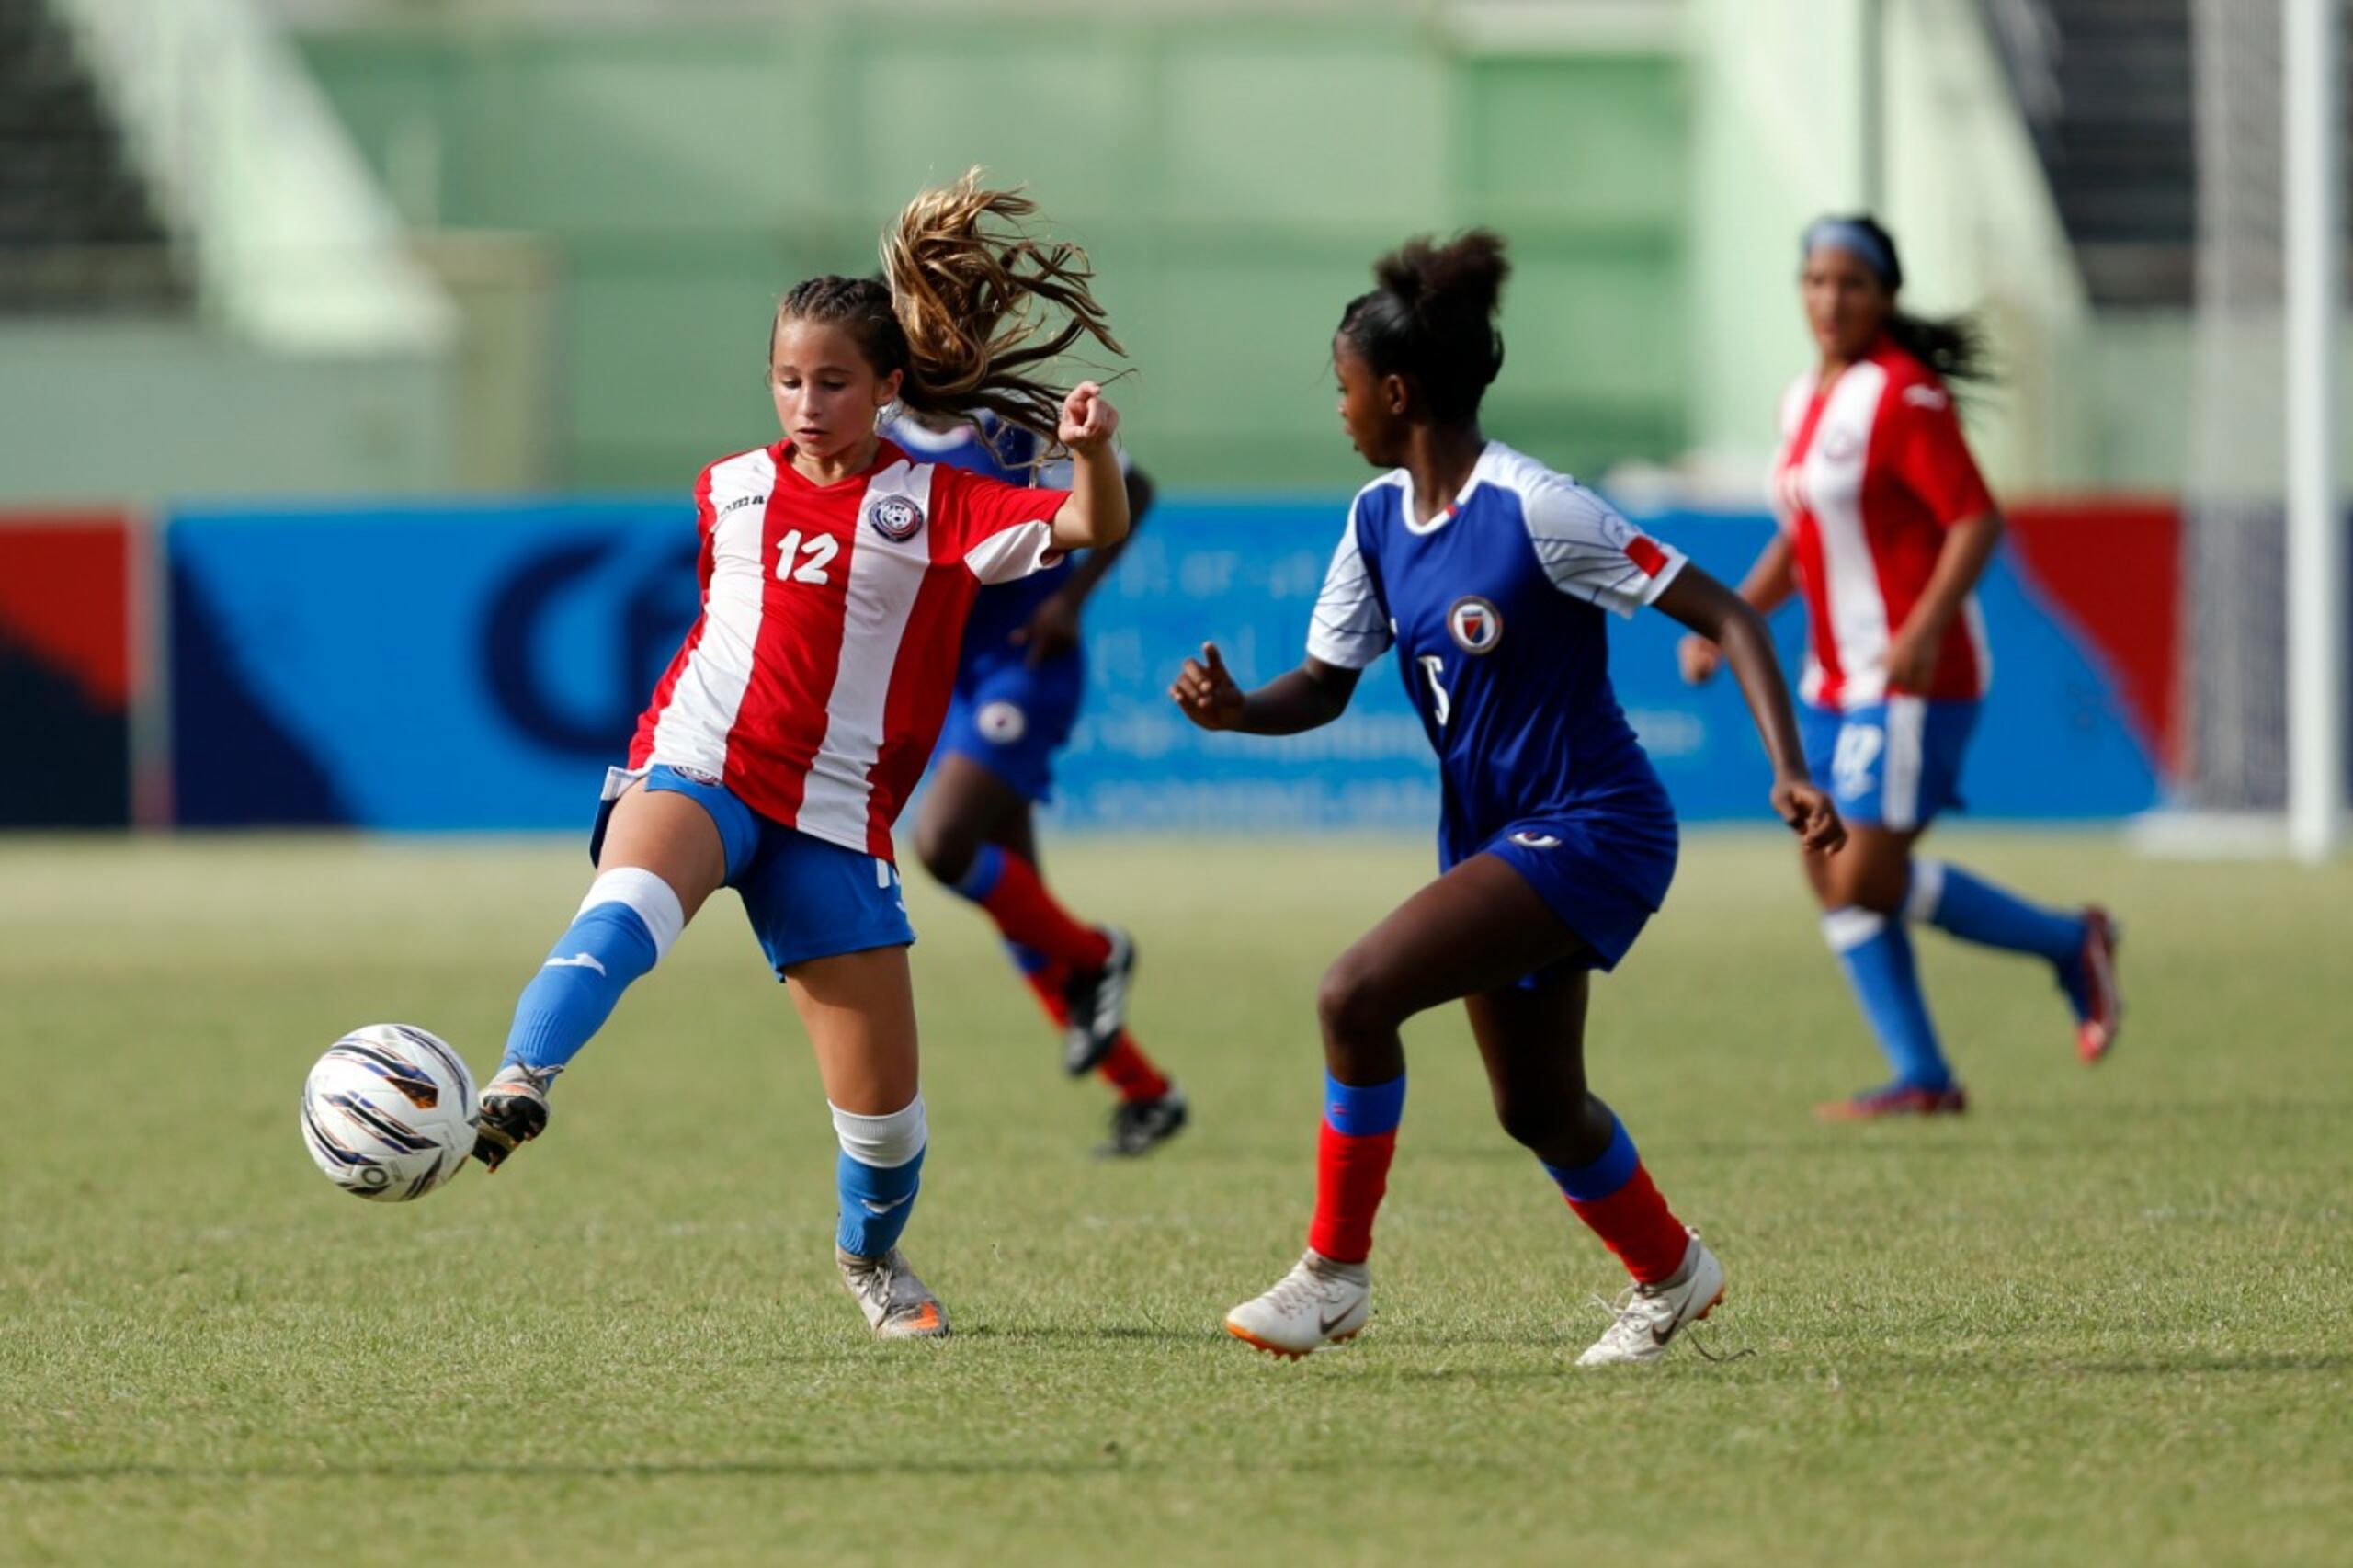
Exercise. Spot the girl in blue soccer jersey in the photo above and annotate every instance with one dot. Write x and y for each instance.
(1490, 573)
(1019, 680)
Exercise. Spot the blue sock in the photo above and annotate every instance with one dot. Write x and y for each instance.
(1587, 1184)
(625, 925)
(1876, 953)
(1975, 910)
(875, 1203)
(980, 878)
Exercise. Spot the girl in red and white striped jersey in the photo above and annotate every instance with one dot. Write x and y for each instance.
(1886, 528)
(782, 742)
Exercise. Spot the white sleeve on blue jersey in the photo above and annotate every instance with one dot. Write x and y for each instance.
(1350, 629)
(1591, 552)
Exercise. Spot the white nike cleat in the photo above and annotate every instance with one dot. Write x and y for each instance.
(897, 1305)
(1648, 1316)
(1319, 1302)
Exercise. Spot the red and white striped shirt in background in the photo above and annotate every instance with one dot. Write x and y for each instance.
(814, 682)
(1870, 475)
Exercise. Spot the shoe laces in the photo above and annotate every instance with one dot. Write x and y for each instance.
(1639, 1310)
(519, 1079)
(1303, 1289)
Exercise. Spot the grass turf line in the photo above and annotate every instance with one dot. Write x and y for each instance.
(2102, 1318)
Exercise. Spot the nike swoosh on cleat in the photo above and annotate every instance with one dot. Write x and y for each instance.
(1324, 1326)
(577, 961)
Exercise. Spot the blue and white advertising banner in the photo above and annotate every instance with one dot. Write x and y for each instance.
(441, 667)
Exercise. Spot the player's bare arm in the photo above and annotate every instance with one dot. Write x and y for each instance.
(1968, 548)
(1734, 625)
(1304, 699)
(1095, 516)
(1771, 583)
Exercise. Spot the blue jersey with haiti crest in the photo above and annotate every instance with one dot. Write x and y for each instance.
(1495, 608)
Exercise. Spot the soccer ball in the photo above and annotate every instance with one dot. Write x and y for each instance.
(389, 1112)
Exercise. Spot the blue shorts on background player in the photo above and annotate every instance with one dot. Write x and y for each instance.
(1886, 525)
(1020, 679)
(1493, 577)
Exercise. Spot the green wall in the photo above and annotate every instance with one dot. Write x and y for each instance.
(1233, 179)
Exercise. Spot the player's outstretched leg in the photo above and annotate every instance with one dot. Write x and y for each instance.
(662, 859)
(2080, 945)
(1531, 1037)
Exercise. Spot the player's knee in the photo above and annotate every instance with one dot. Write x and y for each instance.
(1540, 1122)
(946, 850)
(1352, 1002)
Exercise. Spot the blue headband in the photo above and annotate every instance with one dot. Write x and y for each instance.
(1848, 236)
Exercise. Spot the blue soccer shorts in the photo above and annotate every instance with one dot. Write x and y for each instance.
(1894, 765)
(806, 898)
(1012, 719)
(1603, 869)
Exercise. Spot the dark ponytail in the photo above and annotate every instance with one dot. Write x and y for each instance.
(1433, 318)
(1953, 346)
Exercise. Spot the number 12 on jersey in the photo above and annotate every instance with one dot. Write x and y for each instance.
(819, 550)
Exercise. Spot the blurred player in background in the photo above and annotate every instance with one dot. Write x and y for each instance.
(836, 576)
(1886, 528)
(1490, 574)
(1018, 683)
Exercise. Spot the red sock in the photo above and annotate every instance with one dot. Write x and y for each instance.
(1048, 983)
(1028, 914)
(1636, 1222)
(1351, 1175)
(1129, 1070)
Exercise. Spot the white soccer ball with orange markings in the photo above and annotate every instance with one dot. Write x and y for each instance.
(389, 1112)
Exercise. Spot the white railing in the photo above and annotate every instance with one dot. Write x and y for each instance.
(293, 241)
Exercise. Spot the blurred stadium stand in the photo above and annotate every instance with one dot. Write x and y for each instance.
(78, 228)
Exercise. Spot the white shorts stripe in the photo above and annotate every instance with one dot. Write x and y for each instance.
(1908, 723)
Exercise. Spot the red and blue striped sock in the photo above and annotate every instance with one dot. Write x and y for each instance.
(1615, 1197)
(1352, 1155)
(1014, 896)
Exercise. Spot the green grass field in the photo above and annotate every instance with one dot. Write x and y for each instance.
(2106, 1317)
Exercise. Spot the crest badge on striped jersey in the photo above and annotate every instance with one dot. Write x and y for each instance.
(1476, 625)
(895, 518)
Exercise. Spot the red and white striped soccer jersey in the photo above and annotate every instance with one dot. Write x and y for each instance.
(815, 681)
(1869, 477)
